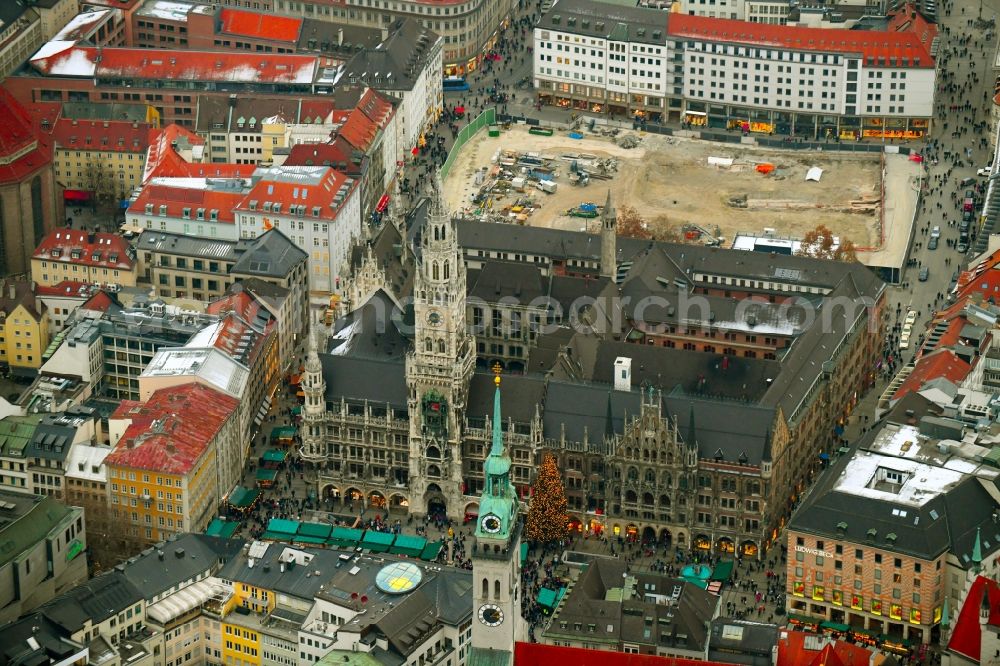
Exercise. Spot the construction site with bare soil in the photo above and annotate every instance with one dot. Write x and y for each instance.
(683, 188)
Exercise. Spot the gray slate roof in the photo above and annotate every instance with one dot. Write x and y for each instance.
(396, 62)
(607, 21)
(947, 522)
(54, 642)
(272, 254)
(357, 379)
(186, 246)
(731, 428)
(183, 558)
(582, 409)
(96, 600)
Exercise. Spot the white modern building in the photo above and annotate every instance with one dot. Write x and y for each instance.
(726, 74)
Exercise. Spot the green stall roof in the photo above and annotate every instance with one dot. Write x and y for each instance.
(524, 553)
(281, 526)
(243, 498)
(298, 538)
(722, 571)
(407, 544)
(377, 542)
(222, 528)
(316, 530)
(284, 432)
(344, 537)
(266, 474)
(550, 598)
(275, 455)
(431, 551)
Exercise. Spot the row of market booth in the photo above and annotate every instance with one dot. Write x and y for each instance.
(330, 536)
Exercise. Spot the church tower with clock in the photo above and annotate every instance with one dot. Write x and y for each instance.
(439, 368)
(496, 558)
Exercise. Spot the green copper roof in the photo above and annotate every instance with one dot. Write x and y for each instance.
(499, 497)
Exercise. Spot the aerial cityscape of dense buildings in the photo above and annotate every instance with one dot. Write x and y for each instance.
(486, 333)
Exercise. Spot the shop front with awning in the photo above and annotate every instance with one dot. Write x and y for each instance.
(76, 196)
(266, 477)
(265, 405)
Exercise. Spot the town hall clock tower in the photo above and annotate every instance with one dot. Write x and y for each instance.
(439, 368)
(496, 558)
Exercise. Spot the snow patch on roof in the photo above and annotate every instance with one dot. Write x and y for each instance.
(52, 48)
(170, 11)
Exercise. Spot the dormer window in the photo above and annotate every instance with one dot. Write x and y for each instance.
(149, 209)
(201, 213)
(163, 210)
(186, 213)
(213, 215)
(96, 256)
(75, 254)
(56, 252)
(316, 210)
(277, 207)
(253, 204)
(267, 206)
(113, 257)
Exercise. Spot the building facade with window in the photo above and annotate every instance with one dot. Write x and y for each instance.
(170, 457)
(103, 157)
(726, 74)
(96, 258)
(894, 532)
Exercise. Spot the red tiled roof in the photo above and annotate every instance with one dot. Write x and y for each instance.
(319, 196)
(18, 142)
(883, 49)
(319, 154)
(942, 363)
(908, 19)
(65, 289)
(792, 651)
(966, 638)
(176, 199)
(102, 301)
(259, 25)
(100, 250)
(102, 135)
(537, 654)
(359, 130)
(163, 161)
(172, 430)
(44, 116)
(315, 108)
(176, 65)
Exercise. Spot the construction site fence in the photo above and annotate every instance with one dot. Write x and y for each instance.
(485, 119)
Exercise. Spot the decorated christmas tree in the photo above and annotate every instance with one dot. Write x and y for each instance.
(547, 521)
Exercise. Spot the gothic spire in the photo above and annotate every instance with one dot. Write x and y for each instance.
(977, 552)
(312, 359)
(496, 449)
(438, 208)
(692, 438)
(609, 425)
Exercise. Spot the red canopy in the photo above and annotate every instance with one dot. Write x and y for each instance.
(76, 195)
(415, 150)
(459, 109)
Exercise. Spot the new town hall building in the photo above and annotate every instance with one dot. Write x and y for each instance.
(693, 427)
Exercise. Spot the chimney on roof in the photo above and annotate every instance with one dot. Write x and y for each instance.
(340, 36)
(385, 33)
(12, 290)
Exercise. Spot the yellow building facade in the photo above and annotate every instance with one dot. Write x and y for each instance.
(24, 327)
(79, 256)
(104, 158)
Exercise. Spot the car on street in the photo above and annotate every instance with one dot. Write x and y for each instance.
(932, 243)
(962, 247)
(924, 274)
(966, 216)
(904, 342)
(907, 330)
(984, 171)
(911, 318)
(936, 232)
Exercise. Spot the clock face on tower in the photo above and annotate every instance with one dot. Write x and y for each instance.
(491, 523)
(490, 615)
(434, 318)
